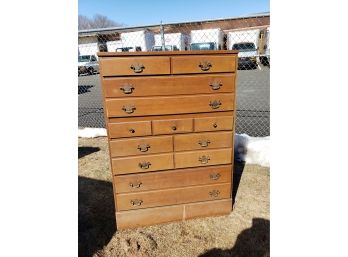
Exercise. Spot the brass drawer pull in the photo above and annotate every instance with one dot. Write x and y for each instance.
(127, 89)
(204, 159)
(144, 165)
(174, 128)
(136, 202)
(215, 85)
(143, 147)
(205, 66)
(129, 109)
(214, 176)
(204, 143)
(135, 185)
(215, 125)
(131, 130)
(137, 68)
(215, 104)
(214, 193)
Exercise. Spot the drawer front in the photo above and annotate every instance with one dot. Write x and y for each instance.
(172, 179)
(129, 129)
(140, 146)
(210, 208)
(203, 64)
(169, 85)
(203, 141)
(148, 199)
(172, 126)
(202, 158)
(143, 106)
(144, 163)
(134, 66)
(213, 123)
(151, 216)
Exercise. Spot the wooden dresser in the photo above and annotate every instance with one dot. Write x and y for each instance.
(170, 121)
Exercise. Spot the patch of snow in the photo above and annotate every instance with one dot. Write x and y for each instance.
(252, 150)
(92, 132)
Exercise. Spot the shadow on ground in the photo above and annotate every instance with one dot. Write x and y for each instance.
(86, 150)
(238, 168)
(251, 242)
(84, 89)
(96, 218)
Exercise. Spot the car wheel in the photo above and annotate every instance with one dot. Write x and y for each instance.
(90, 71)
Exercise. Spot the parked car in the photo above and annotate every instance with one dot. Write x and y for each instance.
(167, 48)
(246, 56)
(128, 49)
(204, 46)
(88, 64)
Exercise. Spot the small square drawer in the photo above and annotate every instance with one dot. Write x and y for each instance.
(203, 64)
(129, 129)
(213, 123)
(202, 158)
(201, 141)
(140, 146)
(134, 66)
(145, 163)
(172, 126)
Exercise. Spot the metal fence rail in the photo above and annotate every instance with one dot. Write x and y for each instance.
(249, 35)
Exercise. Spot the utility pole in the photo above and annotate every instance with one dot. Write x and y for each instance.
(162, 38)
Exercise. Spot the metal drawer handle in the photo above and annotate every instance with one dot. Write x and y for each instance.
(205, 65)
(129, 108)
(214, 176)
(215, 104)
(214, 193)
(215, 125)
(215, 85)
(136, 202)
(204, 159)
(144, 165)
(127, 89)
(137, 68)
(204, 143)
(135, 185)
(174, 128)
(143, 147)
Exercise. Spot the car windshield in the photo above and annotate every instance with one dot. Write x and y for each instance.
(244, 47)
(203, 46)
(84, 58)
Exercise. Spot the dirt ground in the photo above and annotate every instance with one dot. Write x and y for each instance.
(244, 233)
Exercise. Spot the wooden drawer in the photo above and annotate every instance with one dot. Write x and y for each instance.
(141, 106)
(150, 216)
(203, 64)
(202, 158)
(201, 141)
(156, 215)
(134, 66)
(140, 146)
(172, 126)
(169, 85)
(144, 163)
(213, 123)
(164, 197)
(173, 178)
(211, 208)
(129, 129)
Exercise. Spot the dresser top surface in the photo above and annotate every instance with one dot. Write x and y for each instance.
(165, 53)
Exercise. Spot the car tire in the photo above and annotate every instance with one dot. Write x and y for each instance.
(90, 71)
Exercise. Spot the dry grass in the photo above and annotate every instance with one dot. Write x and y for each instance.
(244, 233)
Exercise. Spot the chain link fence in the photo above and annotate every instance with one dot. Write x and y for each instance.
(249, 35)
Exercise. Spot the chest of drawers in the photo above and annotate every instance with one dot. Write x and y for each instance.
(170, 118)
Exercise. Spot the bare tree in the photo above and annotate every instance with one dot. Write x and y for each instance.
(98, 21)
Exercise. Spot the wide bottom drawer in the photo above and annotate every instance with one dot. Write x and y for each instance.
(129, 201)
(173, 179)
(157, 215)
